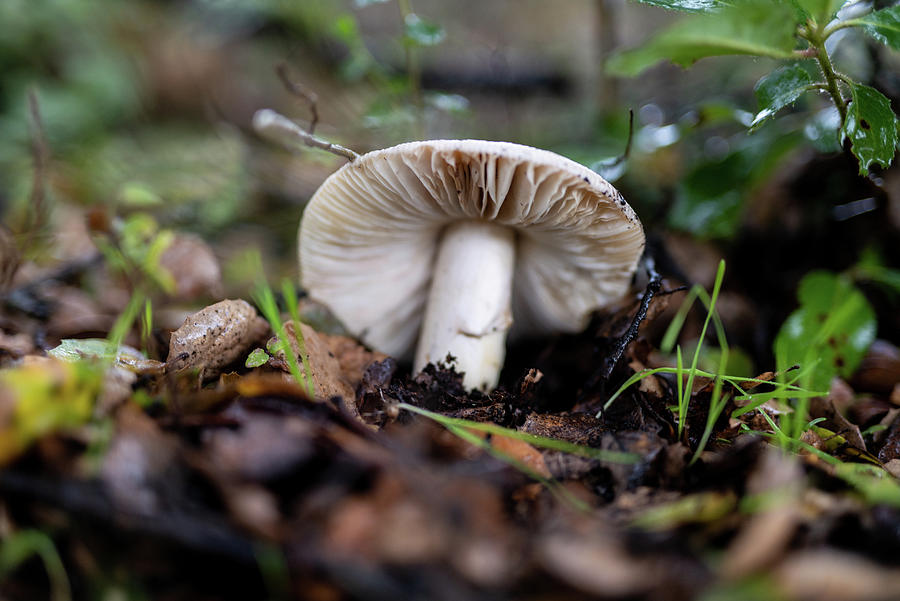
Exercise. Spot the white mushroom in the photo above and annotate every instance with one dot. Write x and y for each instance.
(454, 241)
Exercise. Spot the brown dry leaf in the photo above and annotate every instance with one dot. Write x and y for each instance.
(215, 336)
(9, 258)
(389, 524)
(16, 345)
(879, 370)
(834, 419)
(337, 364)
(117, 388)
(194, 268)
(889, 439)
(826, 575)
(264, 447)
(137, 465)
(254, 508)
(595, 565)
(76, 313)
(893, 467)
(328, 377)
(353, 358)
(579, 428)
(521, 451)
(763, 539)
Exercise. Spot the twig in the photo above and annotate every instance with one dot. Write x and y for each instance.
(280, 129)
(413, 70)
(621, 343)
(40, 155)
(302, 92)
(816, 36)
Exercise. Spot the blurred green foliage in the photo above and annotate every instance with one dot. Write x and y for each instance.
(45, 398)
(831, 330)
(777, 29)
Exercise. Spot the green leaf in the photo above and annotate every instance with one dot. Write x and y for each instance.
(820, 10)
(256, 358)
(709, 199)
(883, 25)
(418, 32)
(821, 130)
(79, 349)
(778, 89)
(832, 329)
(871, 127)
(18, 547)
(871, 267)
(76, 349)
(754, 28)
(691, 6)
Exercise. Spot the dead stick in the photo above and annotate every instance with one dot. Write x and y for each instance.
(653, 288)
(40, 155)
(301, 91)
(279, 128)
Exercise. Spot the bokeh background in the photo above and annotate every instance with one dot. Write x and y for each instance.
(145, 106)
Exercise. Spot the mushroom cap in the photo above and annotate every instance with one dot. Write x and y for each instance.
(370, 233)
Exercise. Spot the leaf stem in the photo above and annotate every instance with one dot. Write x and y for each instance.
(414, 71)
(828, 31)
(816, 36)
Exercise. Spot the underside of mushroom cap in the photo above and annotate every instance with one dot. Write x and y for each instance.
(369, 235)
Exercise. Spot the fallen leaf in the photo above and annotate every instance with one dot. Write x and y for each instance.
(594, 565)
(826, 575)
(521, 451)
(193, 266)
(16, 345)
(215, 337)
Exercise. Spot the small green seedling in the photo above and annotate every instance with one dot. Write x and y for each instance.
(738, 388)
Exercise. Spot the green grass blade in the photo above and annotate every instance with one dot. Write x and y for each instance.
(552, 485)
(293, 307)
(18, 547)
(534, 439)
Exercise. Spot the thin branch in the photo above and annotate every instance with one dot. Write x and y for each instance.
(816, 35)
(840, 25)
(816, 86)
(413, 70)
(40, 155)
(280, 129)
(654, 285)
(302, 92)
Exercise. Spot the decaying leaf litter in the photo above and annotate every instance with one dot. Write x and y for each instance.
(237, 479)
(197, 456)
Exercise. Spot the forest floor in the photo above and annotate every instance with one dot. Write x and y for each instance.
(182, 473)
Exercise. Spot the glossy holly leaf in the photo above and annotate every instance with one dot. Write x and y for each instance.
(692, 6)
(419, 32)
(883, 25)
(830, 332)
(871, 127)
(708, 201)
(753, 28)
(778, 89)
(710, 198)
(820, 10)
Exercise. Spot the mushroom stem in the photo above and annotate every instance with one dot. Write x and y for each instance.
(469, 307)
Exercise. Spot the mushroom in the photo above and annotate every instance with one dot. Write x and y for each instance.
(455, 241)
